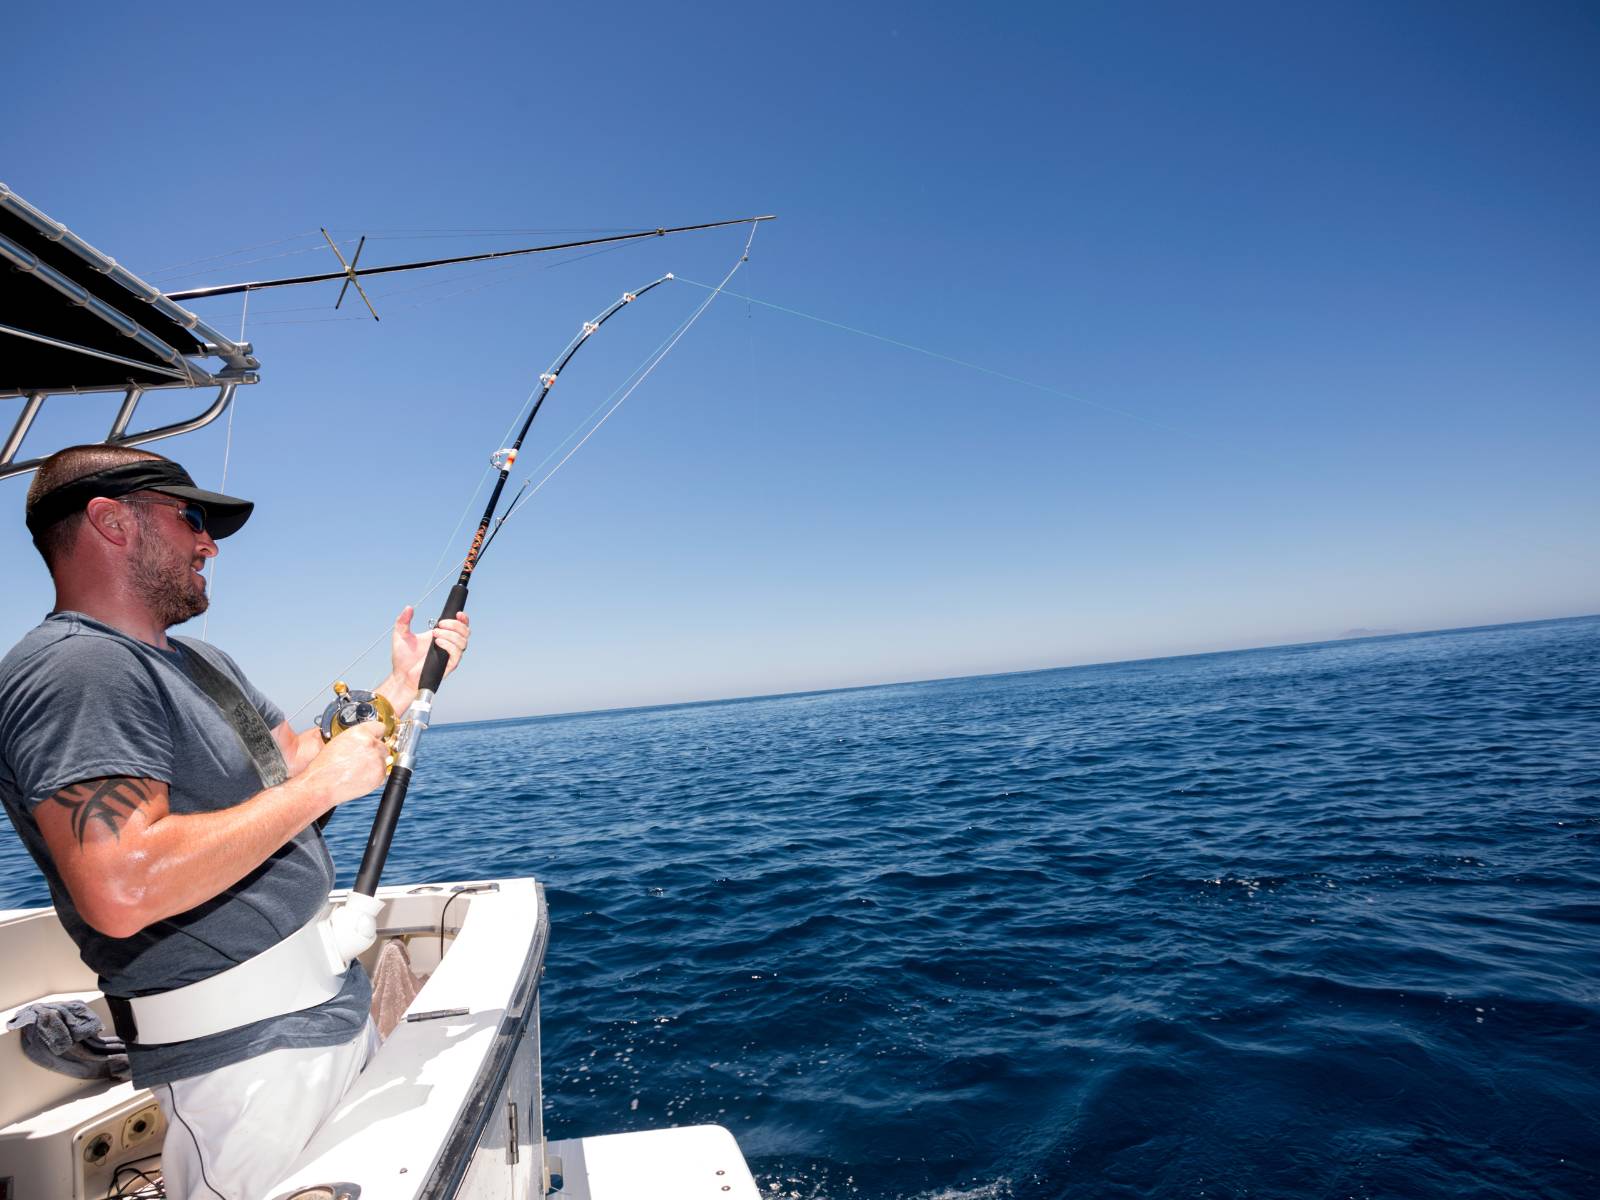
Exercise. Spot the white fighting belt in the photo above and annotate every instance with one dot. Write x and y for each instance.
(304, 970)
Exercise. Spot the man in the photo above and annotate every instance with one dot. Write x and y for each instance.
(172, 848)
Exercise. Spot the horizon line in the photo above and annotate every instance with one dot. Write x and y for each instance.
(1353, 636)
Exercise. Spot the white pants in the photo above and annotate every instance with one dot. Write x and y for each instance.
(233, 1132)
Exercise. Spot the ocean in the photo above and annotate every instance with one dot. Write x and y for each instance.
(1318, 921)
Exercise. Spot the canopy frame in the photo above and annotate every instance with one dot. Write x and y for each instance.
(74, 322)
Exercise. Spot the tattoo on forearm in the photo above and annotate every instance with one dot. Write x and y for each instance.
(104, 802)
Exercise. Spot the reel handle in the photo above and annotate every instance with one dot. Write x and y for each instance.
(350, 708)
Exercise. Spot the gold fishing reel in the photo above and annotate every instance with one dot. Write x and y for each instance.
(351, 708)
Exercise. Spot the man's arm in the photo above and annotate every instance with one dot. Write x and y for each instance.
(128, 862)
(298, 748)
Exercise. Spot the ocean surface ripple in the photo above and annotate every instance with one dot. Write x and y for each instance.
(1310, 922)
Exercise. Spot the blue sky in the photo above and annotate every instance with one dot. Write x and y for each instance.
(1313, 289)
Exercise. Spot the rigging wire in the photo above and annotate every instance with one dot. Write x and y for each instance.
(227, 453)
(243, 262)
(194, 262)
(406, 235)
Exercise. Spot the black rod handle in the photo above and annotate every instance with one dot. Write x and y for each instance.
(394, 797)
(438, 658)
(394, 792)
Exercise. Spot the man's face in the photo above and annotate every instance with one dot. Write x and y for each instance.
(168, 559)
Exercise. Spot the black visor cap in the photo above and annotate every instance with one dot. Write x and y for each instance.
(225, 515)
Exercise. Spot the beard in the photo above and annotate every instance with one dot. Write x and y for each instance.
(166, 581)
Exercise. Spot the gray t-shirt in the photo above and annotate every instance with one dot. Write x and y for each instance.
(80, 700)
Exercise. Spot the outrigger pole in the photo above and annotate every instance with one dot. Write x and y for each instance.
(350, 274)
(417, 716)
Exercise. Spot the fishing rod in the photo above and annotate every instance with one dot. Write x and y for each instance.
(411, 727)
(350, 273)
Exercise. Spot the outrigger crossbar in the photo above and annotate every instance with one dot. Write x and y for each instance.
(349, 274)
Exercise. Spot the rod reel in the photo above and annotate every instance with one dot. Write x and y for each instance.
(350, 708)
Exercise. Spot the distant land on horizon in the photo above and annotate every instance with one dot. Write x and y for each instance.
(1349, 635)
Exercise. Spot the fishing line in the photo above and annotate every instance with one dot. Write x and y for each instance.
(520, 500)
(648, 365)
(517, 502)
(465, 510)
(960, 362)
(645, 365)
(411, 727)
(450, 540)
(579, 336)
(314, 321)
(559, 446)
(555, 450)
(416, 604)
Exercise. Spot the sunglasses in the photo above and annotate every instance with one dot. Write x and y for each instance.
(193, 514)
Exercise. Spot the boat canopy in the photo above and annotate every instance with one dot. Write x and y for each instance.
(72, 320)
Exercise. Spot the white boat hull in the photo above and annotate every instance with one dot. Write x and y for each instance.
(449, 1108)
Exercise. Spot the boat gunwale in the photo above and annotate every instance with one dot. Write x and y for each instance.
(455, 1154)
